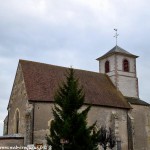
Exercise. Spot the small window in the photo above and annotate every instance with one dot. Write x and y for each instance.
(126, 65)
(107, 66)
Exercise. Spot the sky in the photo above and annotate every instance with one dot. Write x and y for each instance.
(71, 33)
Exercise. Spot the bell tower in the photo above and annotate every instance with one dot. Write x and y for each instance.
(120, 66)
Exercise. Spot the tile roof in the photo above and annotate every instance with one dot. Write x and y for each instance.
(136, 101)
(118, 50)
(42, 80)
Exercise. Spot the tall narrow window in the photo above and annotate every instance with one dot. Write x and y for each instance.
(17, 121)
(107, 66)
(125, 65)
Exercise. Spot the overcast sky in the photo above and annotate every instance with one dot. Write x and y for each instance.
(71, 32)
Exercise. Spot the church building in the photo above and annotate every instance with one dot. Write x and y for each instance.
(113, 93)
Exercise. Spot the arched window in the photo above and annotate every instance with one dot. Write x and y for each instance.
(125, 65)
(107, 66)
(17, 121)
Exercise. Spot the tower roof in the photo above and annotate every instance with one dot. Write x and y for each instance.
(117, 50)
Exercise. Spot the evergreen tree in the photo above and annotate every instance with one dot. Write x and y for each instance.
(69, 129)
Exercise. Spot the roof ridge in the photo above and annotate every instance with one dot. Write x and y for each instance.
(42, 63)
(136, 101)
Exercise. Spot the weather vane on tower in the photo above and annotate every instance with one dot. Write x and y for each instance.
(116, 35)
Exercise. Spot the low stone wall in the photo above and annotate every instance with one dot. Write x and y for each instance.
(8, 142)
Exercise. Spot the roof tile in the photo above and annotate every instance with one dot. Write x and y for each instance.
(42, 81)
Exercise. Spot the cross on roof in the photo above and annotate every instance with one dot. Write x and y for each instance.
(116, 35)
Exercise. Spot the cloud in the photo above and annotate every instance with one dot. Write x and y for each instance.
(71, 32)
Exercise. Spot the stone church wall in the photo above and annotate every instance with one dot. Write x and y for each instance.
(111, 60)
(7, 143)
(141, 115)
(112, 117)
(42, 118)
(132, 68)
(18, 102)
(128, 86)
(126, 82)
